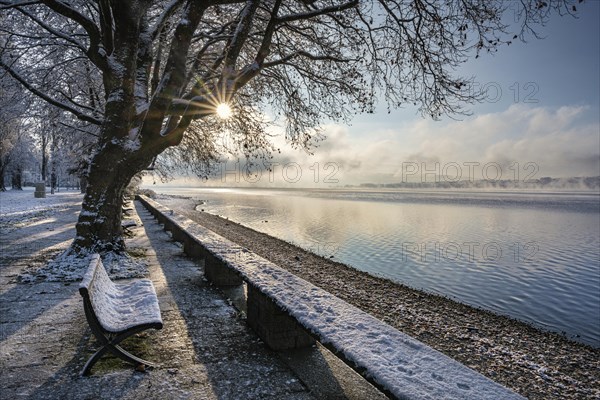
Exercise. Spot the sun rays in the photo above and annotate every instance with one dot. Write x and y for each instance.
(224, 111)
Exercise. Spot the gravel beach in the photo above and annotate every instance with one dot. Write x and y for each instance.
(536, 364)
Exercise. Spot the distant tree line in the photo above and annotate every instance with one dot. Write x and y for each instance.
(572, 183)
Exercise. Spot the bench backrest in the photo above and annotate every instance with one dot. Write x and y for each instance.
(96, 280)
(97, 290)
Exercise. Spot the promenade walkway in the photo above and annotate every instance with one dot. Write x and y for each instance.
(205, 349)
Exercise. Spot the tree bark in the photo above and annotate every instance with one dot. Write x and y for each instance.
(99, 227)
(44, 156)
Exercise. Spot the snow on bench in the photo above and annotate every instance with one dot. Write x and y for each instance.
(279, 301)
(117, 311)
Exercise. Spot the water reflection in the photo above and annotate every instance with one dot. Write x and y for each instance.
(534, 257)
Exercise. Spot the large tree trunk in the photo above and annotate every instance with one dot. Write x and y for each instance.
(99, 226)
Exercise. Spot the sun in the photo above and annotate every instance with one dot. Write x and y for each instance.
(224, 111)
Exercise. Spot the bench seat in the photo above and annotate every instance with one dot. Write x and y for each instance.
(117, 311)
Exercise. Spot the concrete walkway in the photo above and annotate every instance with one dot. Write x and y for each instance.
(205, 349)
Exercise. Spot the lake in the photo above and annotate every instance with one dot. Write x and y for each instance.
(534, 256)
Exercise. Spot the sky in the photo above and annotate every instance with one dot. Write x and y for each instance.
(541, 117)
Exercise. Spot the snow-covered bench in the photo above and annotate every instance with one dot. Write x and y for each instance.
(287, 311)
(117, 311)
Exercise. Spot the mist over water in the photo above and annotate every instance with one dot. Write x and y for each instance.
(533, 256)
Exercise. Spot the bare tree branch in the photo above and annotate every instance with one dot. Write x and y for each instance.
(47, 98)
(94, 52)
(318, 12)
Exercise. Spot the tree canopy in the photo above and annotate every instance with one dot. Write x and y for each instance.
(148, 76)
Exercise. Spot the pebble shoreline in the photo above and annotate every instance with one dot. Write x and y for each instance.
(534, 363)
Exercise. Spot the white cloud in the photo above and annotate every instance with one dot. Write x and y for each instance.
(556, 140)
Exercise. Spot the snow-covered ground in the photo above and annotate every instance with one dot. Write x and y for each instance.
(37, 218)
(19, 207)
(22, 201)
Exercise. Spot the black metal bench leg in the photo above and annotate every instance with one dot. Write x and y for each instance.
(117, 351)
(112, 345)
(125, 355)
(93, 359)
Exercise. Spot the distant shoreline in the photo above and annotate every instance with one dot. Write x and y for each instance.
(385, 189)
(582, 184)
(535, 363)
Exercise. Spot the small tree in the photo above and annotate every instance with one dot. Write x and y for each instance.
(166, 66)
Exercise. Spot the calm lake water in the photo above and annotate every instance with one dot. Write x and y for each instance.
(533, 256)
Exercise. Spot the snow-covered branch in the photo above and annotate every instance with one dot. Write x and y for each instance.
(80, 115)
(5, 5)
(55, 32)
(162, 20)
(94, 52)
(239, 37)
(317, 12)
